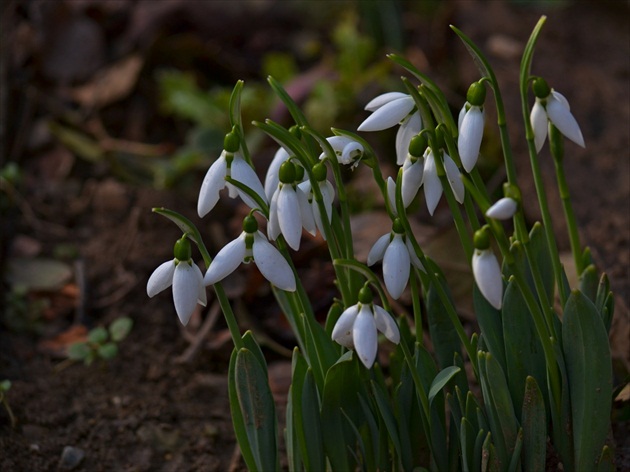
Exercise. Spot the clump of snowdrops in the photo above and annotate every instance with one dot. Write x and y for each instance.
(540, 376)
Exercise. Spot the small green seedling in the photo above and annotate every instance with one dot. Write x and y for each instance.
(5, 386)
(101, 343)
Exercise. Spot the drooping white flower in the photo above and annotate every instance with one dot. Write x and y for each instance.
(328, 195)
(347, 150)
(487, 275)
(357, 328)
(271, 178)
(390, 109)
(186, 279)
(251, 245)
(552, 107)
(289, 210)
(398, 255)
(413, 173)
(433, 185)
(503, 209)
(470, 135)
(228, 165)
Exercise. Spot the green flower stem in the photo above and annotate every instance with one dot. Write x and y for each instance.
(557, 152)
(236, 118)
(415, 300)
(524, 79)
(193, 234)
(431, 278)
(460, 224)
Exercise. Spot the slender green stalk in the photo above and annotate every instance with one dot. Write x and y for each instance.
(556, 145)
(417, 309)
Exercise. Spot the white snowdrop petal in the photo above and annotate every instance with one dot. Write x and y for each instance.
(273, 227)
(289, 217)
(562, 119)
(386, 324)
(201, 295)
(454, 178)
(378, 102)
(342, 331)
(378, 250)
(328, 195)
(185, 291)
(213, 183)
(306, 212)
(460, 117)
(388, 115)
(487, 274)
(538, 119)
(561, 98)
(226, 261)
(413, 256)
(410, 127)
(503, 209)
(272, 178)
(470, 135)
(272, 265)
(242, 172)
(431, 183)
(339, 142)
(161, 278)
(364, 336)
(396, 267)
(350, 153)
(391, 195)
(411, 181)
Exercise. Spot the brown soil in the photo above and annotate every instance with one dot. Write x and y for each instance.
(160, 404)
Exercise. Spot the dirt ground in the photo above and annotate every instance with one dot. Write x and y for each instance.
(161, 404)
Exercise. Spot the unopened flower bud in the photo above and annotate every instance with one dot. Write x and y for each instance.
(182, 250)
(232, 142)
(541, 88)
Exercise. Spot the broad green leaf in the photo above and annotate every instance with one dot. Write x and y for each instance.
(388, 417)
(120, 328)
(467, 437)
(107, 351)
(238, 421)
(312, 428)
(589, 283)
(445, 339)
(258, 409)
(515, 461)
(441, 380)
(499, 407)
(606, 460)
(341, 388)
(534, 422)
(490, 324)
(98, 335)
(589, 371)
(299, 368)
(524, 354)
(79, 351)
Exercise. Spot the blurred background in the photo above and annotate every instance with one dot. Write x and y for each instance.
(109, 108)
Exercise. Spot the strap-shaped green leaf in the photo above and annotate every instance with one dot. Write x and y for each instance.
(441, 380)
(444, 337)
(499, 407)
(524, 354)
(589, 371)
(534, 422)
(312, 429)
(238, 421)
(467, 438)
(258, 409)
(387, 415)
(490, 324)
(340, 391)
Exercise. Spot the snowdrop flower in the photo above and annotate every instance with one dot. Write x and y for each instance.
(433, 185)
(413, 169)
(398, 255)
(390, 109)
(552, 107)
(272, 179)
(503, 209)
(289, 210)
(185, 277)
(347, 150)
(471, 122)
(328, 195)
(486, 270)
(357, 327)
(230, 163)
(251, 245)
